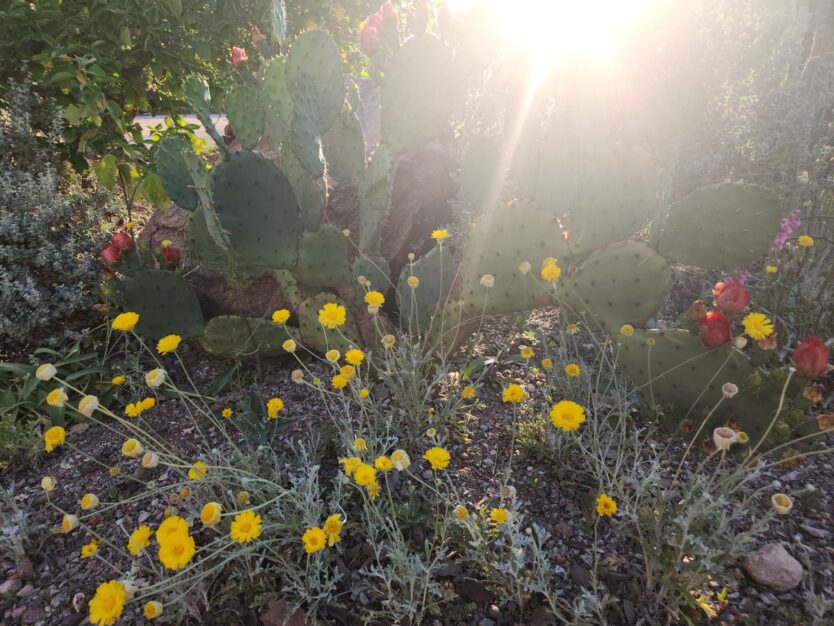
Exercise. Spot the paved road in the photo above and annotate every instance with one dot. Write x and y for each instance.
(149, 121)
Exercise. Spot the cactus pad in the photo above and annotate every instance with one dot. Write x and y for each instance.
(417, 97)
(165, 302)
(375, 269)
(245, 111)
(721, 227)
(344, 149)
(482, 173)
(374, 199)
(419, 305)
(322, 258)
(687, 375)
(172, 169)
(625, 283)
(497, 245)
(315, 337)
(310, 193)
(257, 207)
(233, 337)
(316, 55)
(305, 137)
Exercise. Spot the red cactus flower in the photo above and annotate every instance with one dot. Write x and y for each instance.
(122, 241)
(171, 256)
(238, 56)
(369, 39)
(811, 357)
(111, 254)
(731, 297)
(715, 329)
(388, 12)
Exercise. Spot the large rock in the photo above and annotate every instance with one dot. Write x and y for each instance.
(772, 566)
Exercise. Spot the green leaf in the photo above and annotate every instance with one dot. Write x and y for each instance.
(154, 192)
(125, 38)
(106, 170)
(74, 114)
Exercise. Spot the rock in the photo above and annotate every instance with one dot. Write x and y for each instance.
(580, 576)
(772, 566)
(819, 533)
(33, 615)
(11, 586)
(27, 591)
(494, 612)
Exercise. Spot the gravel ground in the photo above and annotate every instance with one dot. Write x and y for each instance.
(52, 582)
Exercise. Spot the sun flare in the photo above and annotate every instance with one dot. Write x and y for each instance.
(550, 30)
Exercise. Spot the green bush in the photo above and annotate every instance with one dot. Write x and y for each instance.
(48, 237)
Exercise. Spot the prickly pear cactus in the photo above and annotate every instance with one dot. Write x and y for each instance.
(257, 207)
(315, 336)
(323, 259)
(314, 57)
(165, 302)
(721, 226)
(172, 169)
(418, 95)
(374, 199)
(418, 305)
(624, 283)
(245, 111)
(376, 271)
(344, 149)
(678, 371)
(497, 245)
(234, 337)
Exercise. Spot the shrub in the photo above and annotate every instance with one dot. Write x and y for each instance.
(47, 230)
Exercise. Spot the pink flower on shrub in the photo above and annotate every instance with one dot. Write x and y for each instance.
(731, 297)
(122, 241)
(388, 12)
(369, 39)
(811, 357)
(786, 228)
(714, 329)
(111, 254)
(171, 256)
(238, 56)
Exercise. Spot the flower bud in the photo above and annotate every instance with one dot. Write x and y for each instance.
(238, 56)
(155, 378)
(48, 483)
(150, 460)
(122, 241)
(723, 437)
(110, 254)
(88, 405)
(46, 372)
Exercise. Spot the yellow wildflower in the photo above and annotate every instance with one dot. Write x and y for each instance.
(333, 528)
(468, 392)
(355, 357)
(383, 463)
(567, 415)
(806, 241)
(526, 352)
(513, 393)
(360, 445)
(139, 539)
(606, 507)
(332, 315)
(89, 549)
(125, 322)
(210, 513)
(547, 364)
(273, 407)
(339, 381)
(280, 316)
(246, 527)
(437, 457)
(107, 604)
(364, 474)
(117, 381)
(498, 515)
(374, 298)
(314, 540)
(167, 344)
(757, 326)
(54, 438)
(440, 234)
(56, 398)
(198, 471)
(152, 609)
(573, 370)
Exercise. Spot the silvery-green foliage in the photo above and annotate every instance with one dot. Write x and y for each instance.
(47, 243)
(14, 525)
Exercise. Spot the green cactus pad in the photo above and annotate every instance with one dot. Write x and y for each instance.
(497, 245)
(374, 269)
(210, 256)
(344, 149)
(625, 283)
(315, 337)
(721, 227)
(374, 199)
(257, 207)
(322, 258)
(196, 91)
(290, 287)
(311, 193)
(482, 173)
(685, 375)
(304, 132)
(172, 169)
(166, 304)
(277, 89)
(245, 111)
(417, 97)
(316, 55)
(233, 337)
(418, 306)
(613, 198)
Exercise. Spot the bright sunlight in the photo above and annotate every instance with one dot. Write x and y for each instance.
(555, 29)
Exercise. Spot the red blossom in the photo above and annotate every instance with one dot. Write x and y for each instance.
(238, 56)
(122, 240)
(731, 297)
(111, 254)
(171, 256)
(715, 329)
(811, 357)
